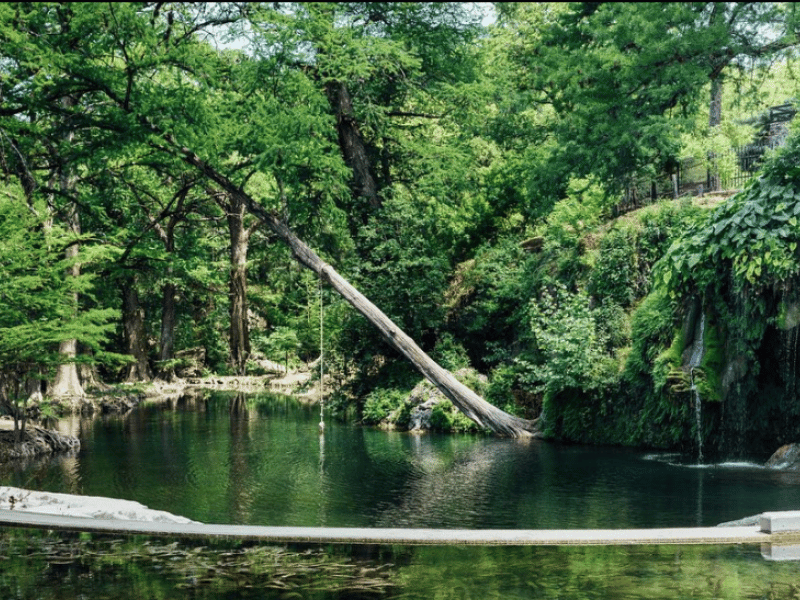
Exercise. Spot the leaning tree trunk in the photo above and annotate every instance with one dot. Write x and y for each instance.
(351, 143)
(467, 401)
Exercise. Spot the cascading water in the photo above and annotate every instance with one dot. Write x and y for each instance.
(698, 419)
(694, 361)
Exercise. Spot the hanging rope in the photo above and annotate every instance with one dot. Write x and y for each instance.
(321, 361)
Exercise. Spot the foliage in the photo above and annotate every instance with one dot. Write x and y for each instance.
(450, 353)
(625, 80)
(756, 234)
(614, 276)
(445, 417)
(283, 343)
(37, 298)
(585, 205)
(572, 349)
(380, 404)
(496, 158)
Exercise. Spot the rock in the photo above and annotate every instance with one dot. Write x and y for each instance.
(533, 245)
(191, 362)
(420, 418)
(425, 396)
(93, 507)
(36, 442)
(745, 522)
(786, 457)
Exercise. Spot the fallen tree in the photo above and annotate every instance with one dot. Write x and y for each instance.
(467, 401)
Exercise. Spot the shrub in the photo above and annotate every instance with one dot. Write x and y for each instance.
(380, 404)
(446, 417)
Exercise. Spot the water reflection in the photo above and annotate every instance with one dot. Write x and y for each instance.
(64, 566)
(781, 552)
(231, 458)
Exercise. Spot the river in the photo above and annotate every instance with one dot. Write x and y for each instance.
(267, 464)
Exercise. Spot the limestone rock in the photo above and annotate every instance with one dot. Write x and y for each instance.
(93, 507)
(425, 396)
(786, 457)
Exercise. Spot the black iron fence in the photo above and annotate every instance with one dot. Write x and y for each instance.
(693, 176)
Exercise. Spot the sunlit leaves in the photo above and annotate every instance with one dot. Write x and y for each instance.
(37, 307)
(753, 236)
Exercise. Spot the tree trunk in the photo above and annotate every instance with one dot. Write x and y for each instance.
(166, 346)
(239, 327)
(714, 121)
(67, 384)
(467, 401)
(351, 143)
(134, 333)
(167, 339)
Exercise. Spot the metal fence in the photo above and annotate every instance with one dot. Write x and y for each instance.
(692, 176)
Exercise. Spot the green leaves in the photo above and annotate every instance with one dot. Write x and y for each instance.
(37, 297)
(754, 235)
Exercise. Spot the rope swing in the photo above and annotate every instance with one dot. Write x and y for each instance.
(321, 362)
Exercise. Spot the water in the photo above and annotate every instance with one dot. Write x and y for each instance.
(45, 566)
(698, 348)
(270, 466)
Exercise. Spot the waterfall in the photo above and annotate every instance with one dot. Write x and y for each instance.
(698, 419)
(697, 344)
(694, 362)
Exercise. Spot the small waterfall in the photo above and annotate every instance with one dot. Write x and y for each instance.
(698, 419)
(694, 361)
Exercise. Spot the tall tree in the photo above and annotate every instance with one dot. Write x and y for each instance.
(239, 232)
(37, 291)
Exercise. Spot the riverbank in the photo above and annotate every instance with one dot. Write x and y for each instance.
(37, 441)
(124, 397)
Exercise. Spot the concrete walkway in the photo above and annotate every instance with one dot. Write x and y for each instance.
(342, 535)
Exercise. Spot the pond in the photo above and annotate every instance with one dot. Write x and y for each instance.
(266, 464)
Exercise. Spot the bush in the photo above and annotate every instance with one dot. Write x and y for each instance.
(380, 404)
(446, 417)
(450, 353)
(614, 276)
(573, 351)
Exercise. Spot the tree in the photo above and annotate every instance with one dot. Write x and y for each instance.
(37, 299)
(625, 78)
(240, 233)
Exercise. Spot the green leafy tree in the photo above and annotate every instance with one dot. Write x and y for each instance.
(147, 77)
(37, 310)
(625, 79)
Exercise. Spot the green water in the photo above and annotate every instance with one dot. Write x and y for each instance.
(267, 464)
